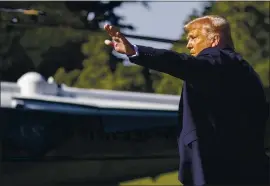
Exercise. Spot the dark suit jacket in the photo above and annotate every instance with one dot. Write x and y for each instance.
(229, 110)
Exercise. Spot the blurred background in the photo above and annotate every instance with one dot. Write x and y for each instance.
(65, 40)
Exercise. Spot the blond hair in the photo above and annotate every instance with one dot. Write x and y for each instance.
(213, 24)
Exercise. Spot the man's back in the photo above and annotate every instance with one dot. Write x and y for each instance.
(230, 116)
(234, 102)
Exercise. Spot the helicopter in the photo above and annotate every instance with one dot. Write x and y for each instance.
(49, 127)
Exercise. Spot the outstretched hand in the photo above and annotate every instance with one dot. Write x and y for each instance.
(118, 42)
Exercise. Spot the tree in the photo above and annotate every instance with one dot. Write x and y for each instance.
(53, 42)
(131, 78)
(101, 69)
(96, 72)
(34, 40)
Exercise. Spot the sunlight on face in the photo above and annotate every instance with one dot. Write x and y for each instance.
(198, 40)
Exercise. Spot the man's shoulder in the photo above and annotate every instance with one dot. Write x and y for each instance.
(216, 51)
(213, 51)
(211, 54)
(223, 54)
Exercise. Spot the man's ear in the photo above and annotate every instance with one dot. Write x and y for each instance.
(215, 40)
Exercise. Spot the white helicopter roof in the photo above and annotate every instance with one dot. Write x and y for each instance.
(36, 91)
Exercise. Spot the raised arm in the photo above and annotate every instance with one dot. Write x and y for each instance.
(204, 67)
(200, 70)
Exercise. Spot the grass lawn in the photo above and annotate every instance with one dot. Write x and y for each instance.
(170, 178)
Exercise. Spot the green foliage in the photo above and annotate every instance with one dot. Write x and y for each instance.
(67, 78)
(30, 46)
(96, 72)
(45, 38)
(263, 69)
(47, 43)
(168, 85)
(129, 78)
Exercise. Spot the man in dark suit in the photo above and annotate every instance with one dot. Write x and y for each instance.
(223, 108)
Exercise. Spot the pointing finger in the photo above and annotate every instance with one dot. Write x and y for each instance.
(113, 30)
(106, 27)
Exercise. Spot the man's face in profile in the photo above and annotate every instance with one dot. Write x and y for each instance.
(197, 40)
